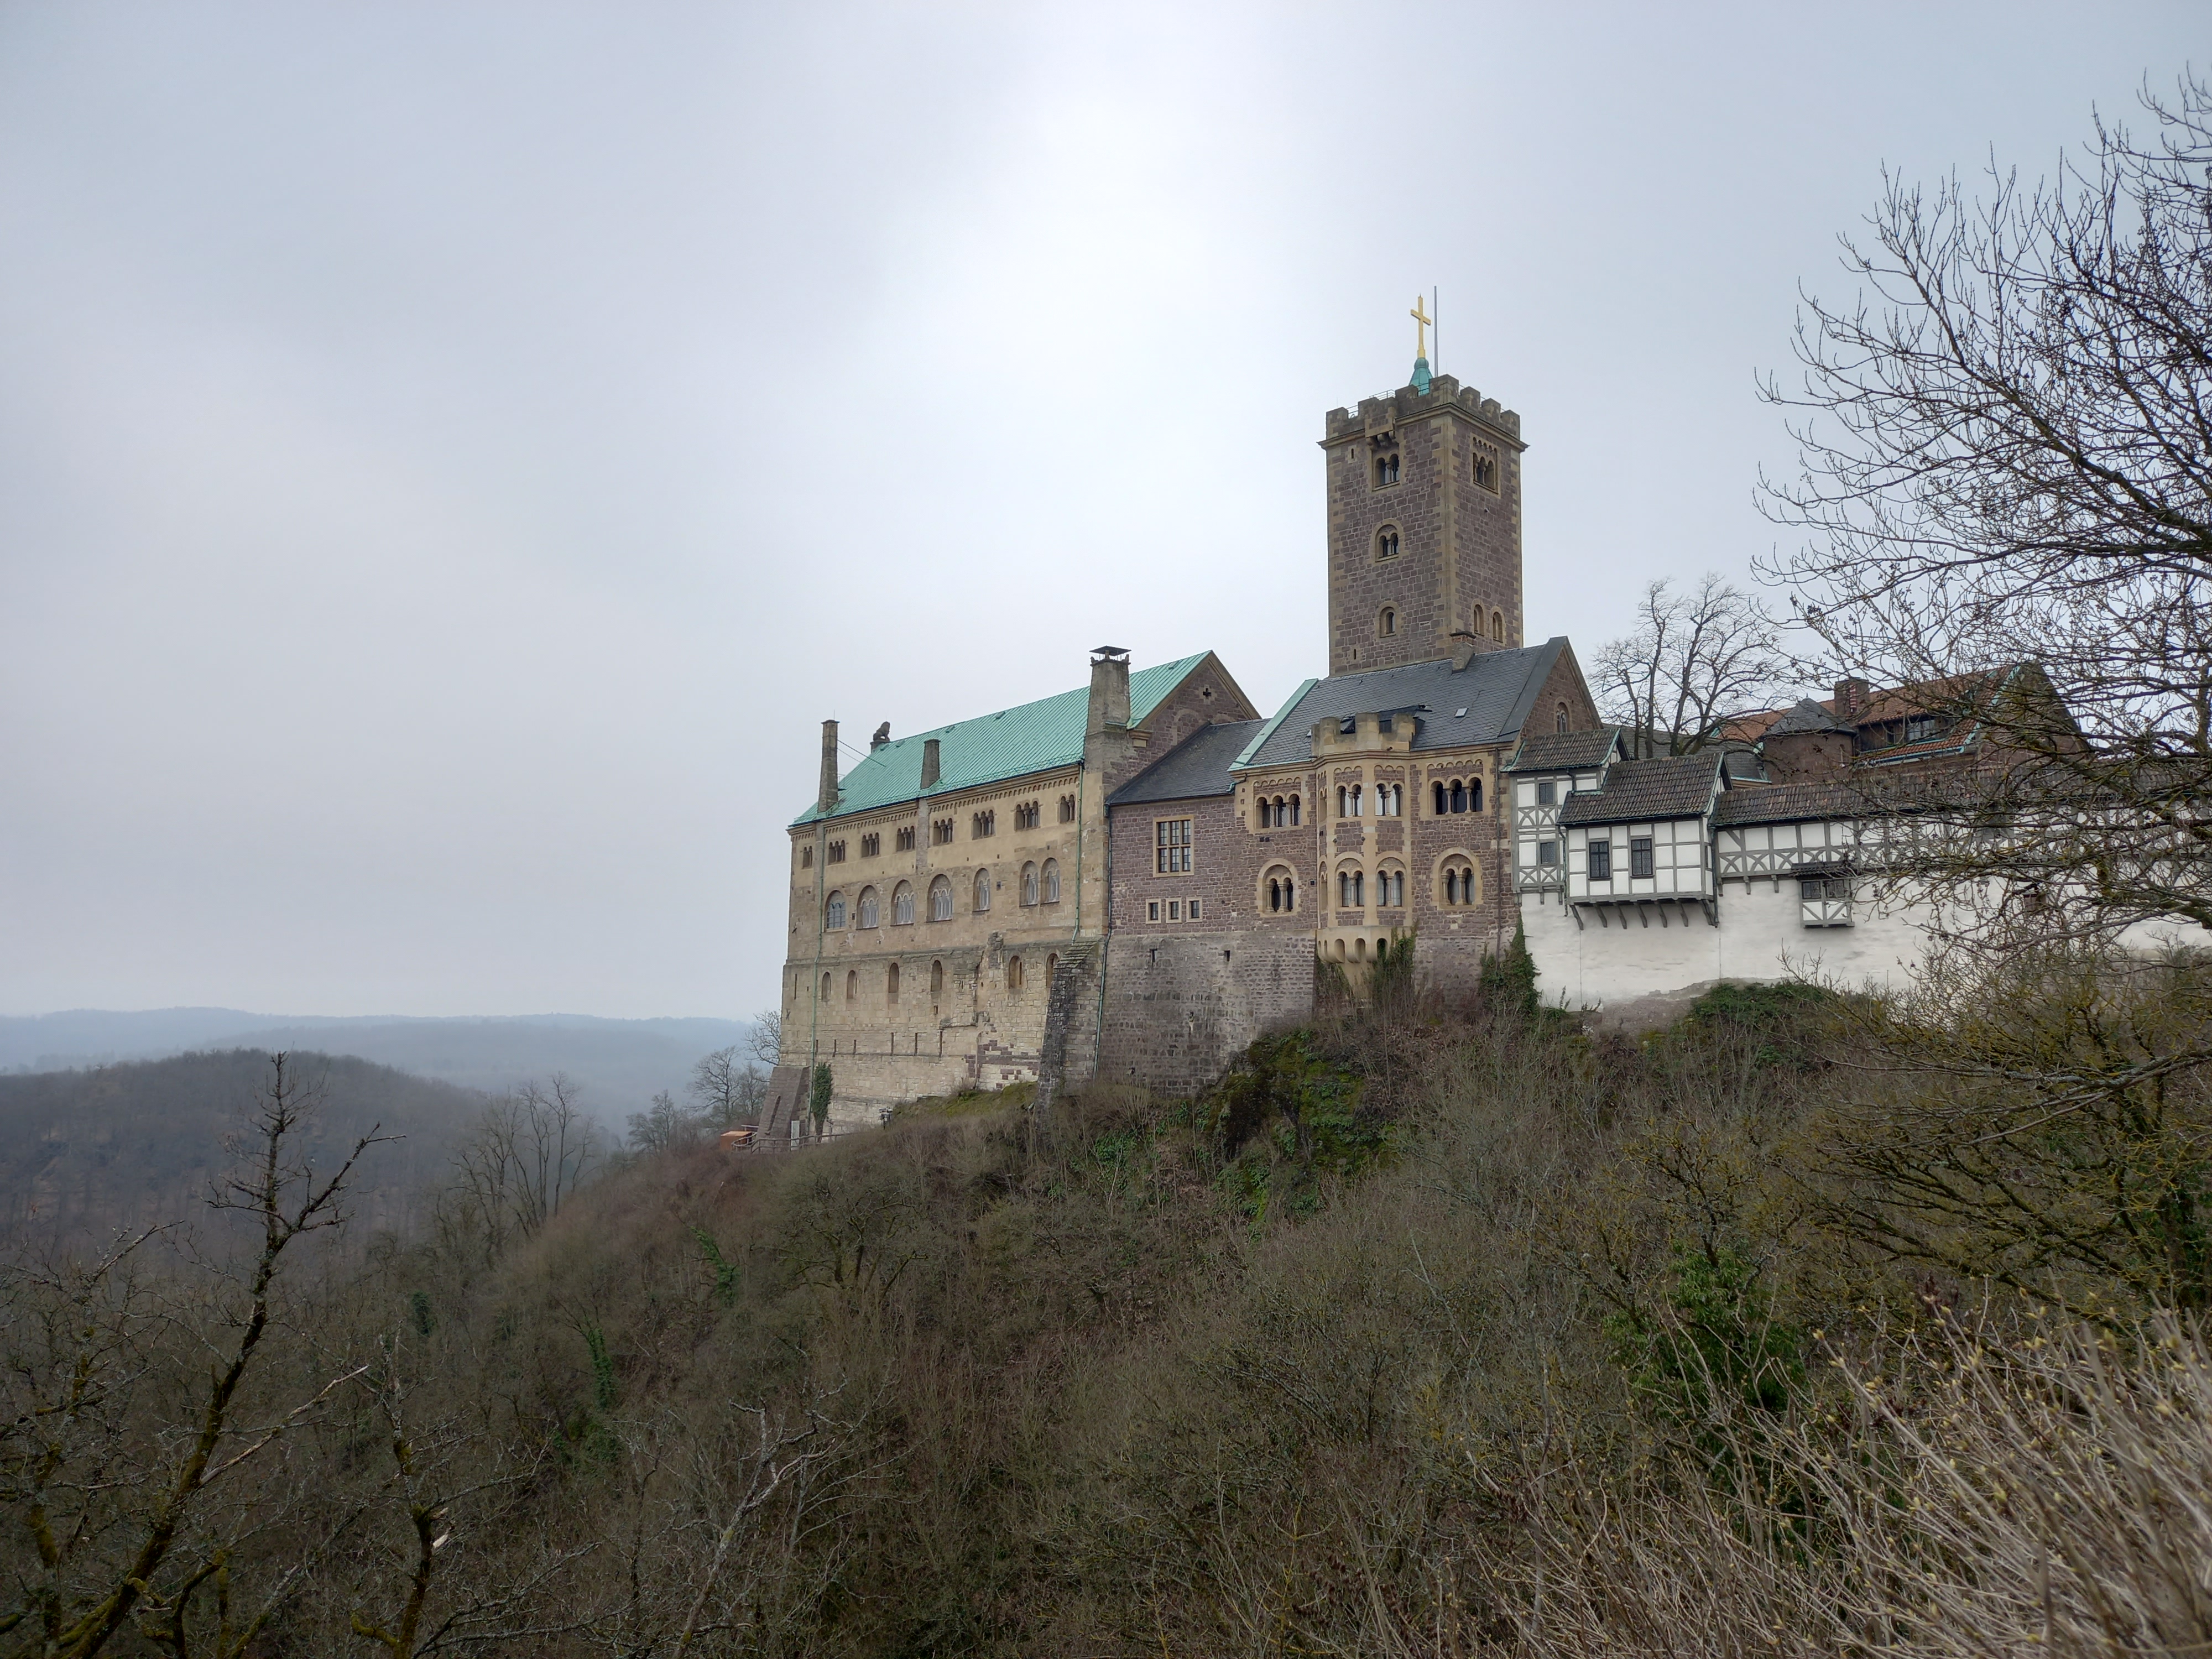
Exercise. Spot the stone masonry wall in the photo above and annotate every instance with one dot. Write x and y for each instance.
(1180, 1006)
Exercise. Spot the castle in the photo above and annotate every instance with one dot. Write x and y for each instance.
(1129, 881)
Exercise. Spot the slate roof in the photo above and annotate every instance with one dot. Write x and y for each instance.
(1196, 767)
(1034, 736)
(1808, 716)
(1636, 791)
(1790, 803)
(1486, 701)
(1562, 751)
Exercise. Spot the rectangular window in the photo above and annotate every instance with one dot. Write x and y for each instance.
(1174, 910)
(1639, 855)
(1601, 860)
(1171, 847)
(1548, 792)
(1195, 903)
(1152, 911)
(1547, 853)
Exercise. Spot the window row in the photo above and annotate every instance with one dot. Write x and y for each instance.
(1040, 884)
(1351, 801)
(1017, 978)
(1458, 795)
(1457, 887)
(1173, 909)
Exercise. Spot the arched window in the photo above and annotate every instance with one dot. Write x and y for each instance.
(1386, 624)
(1393, 801)
(1051, 969)
(940, 900)
(1029, 884)
(1386, 466)
(1458, 796)
(1443, 801)
(1474, 795)
(891, 985)
(1386, 543)
(1016, 978)
(1343, 802)
(1389, 887)
(982, 890)
(1355, 792)
(835, 919)
(871, 912)
(1344, 888)
(825, 987)
(903, 905)
(1359, 887)
(1498, 626)
(1560, 719)
(852, 985)
(1459, 886)
(1052, 881)
(1274, 894)
(935, 981)
(1294, 812)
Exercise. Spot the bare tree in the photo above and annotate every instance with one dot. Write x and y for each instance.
(117, 1516)
(2006, 441)
(529, 1154)
(765, 1041)
(1693, 662)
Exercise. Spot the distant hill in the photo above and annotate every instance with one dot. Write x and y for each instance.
(84, 1152)
(621, 1064)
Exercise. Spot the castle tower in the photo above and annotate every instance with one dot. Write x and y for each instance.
(1424, 525)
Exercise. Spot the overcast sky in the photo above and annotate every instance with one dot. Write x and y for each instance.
(451, 456)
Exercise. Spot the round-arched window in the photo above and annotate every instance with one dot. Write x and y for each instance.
(935, 981)
(1386, 624)
(852, 985)
(1560, 720)
(891, 983)
(940, 900)
(1386, 542)
(982, 890)
(871, 911)
(1498, 626)
(903, 905)
(825, 987)
(1052, 881)
(834, 918)
(1029, 884)
(1013, 972)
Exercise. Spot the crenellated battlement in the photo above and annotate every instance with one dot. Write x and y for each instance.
(1392, 409)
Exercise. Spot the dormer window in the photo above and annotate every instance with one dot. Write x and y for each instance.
(1386, 467)
(1921, 728)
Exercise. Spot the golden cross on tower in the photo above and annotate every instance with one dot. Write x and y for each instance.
(1421, 321)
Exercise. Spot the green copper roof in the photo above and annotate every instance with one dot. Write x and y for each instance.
(1034, 736)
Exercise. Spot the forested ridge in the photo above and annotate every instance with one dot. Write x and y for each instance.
(1436, 1328)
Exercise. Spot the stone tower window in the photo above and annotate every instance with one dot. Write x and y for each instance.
(1485, 468)
(1386, 467)
(1386, 625)
(1386, 542)
(940, 900)
(1052, 881)
(1498, 626)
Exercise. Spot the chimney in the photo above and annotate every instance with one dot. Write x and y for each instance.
(1852, 697)
(827, 797)
(882, 738)
(929, 763)
(1464, 646)
(1110, 691)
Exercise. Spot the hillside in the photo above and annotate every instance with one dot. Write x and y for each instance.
(618, 1064)
(1433, 1329)
(85, 1152)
